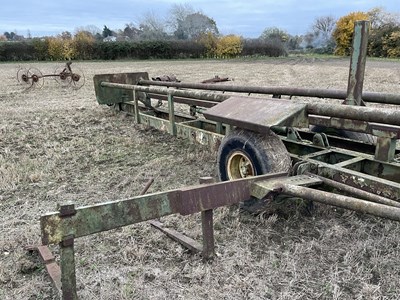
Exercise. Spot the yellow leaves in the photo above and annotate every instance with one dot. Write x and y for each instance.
(56, 48)
(60, 48)
(343, 33)
(84, 37)
(228, 46)
(210, 41)
(391, 44)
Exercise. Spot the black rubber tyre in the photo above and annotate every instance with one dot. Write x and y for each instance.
(244, 153)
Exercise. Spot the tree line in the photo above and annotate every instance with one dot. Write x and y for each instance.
(188, 33)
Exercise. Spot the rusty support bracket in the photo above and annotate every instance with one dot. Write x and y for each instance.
(184, 240)
(207, 250)
(147, 186)
(52, 268)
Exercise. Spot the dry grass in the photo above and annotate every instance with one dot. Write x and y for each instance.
(58, 145)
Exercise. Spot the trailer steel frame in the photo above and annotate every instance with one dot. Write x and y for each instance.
(368, 171)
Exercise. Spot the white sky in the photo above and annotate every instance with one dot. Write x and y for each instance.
(245, 18)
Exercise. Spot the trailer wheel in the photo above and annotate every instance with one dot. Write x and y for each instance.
(244, 153)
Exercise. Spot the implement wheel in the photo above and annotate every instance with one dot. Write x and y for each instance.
(244, 153)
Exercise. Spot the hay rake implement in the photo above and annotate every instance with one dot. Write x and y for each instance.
(265, 151)
(64, 75)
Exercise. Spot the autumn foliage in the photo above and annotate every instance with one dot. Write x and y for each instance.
(391, 44)
(343, 33)
(228, 46)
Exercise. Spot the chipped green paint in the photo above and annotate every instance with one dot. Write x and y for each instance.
(105, 216)
(51, 231)
(357, 64)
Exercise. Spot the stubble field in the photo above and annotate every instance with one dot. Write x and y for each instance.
(59, 145)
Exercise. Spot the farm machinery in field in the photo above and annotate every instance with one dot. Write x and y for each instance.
(63, 75)
(265, 150)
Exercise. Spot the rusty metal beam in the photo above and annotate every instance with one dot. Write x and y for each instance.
(88, 220)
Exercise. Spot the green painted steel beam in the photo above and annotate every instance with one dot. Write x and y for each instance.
(92, 219)
(73, 223)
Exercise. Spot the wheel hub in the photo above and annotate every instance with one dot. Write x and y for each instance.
(240, 166)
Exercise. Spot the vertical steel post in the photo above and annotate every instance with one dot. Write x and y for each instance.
(171, 111)
(136, 101)
(385, 149)
(207, 226)
(357, 64)
(67, 258)
(218, 128)
(67, 264)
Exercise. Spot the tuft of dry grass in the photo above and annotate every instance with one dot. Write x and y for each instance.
(58, 145)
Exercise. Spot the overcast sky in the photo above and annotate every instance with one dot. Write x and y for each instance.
(246, 18)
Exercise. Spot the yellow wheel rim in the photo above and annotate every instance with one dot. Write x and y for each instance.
(239, 166)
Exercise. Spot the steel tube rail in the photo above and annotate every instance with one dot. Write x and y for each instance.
(360, 113)
(356, 192)
(157, 90)
(279, 90)
(351, 203)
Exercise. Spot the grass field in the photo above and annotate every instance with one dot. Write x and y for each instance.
(59, 145)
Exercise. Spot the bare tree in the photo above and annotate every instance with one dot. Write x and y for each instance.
(324, 25)
(194, 25)
(379, 17)
(152, 27)
(178, 14)
(322, 30)
(131, 31)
